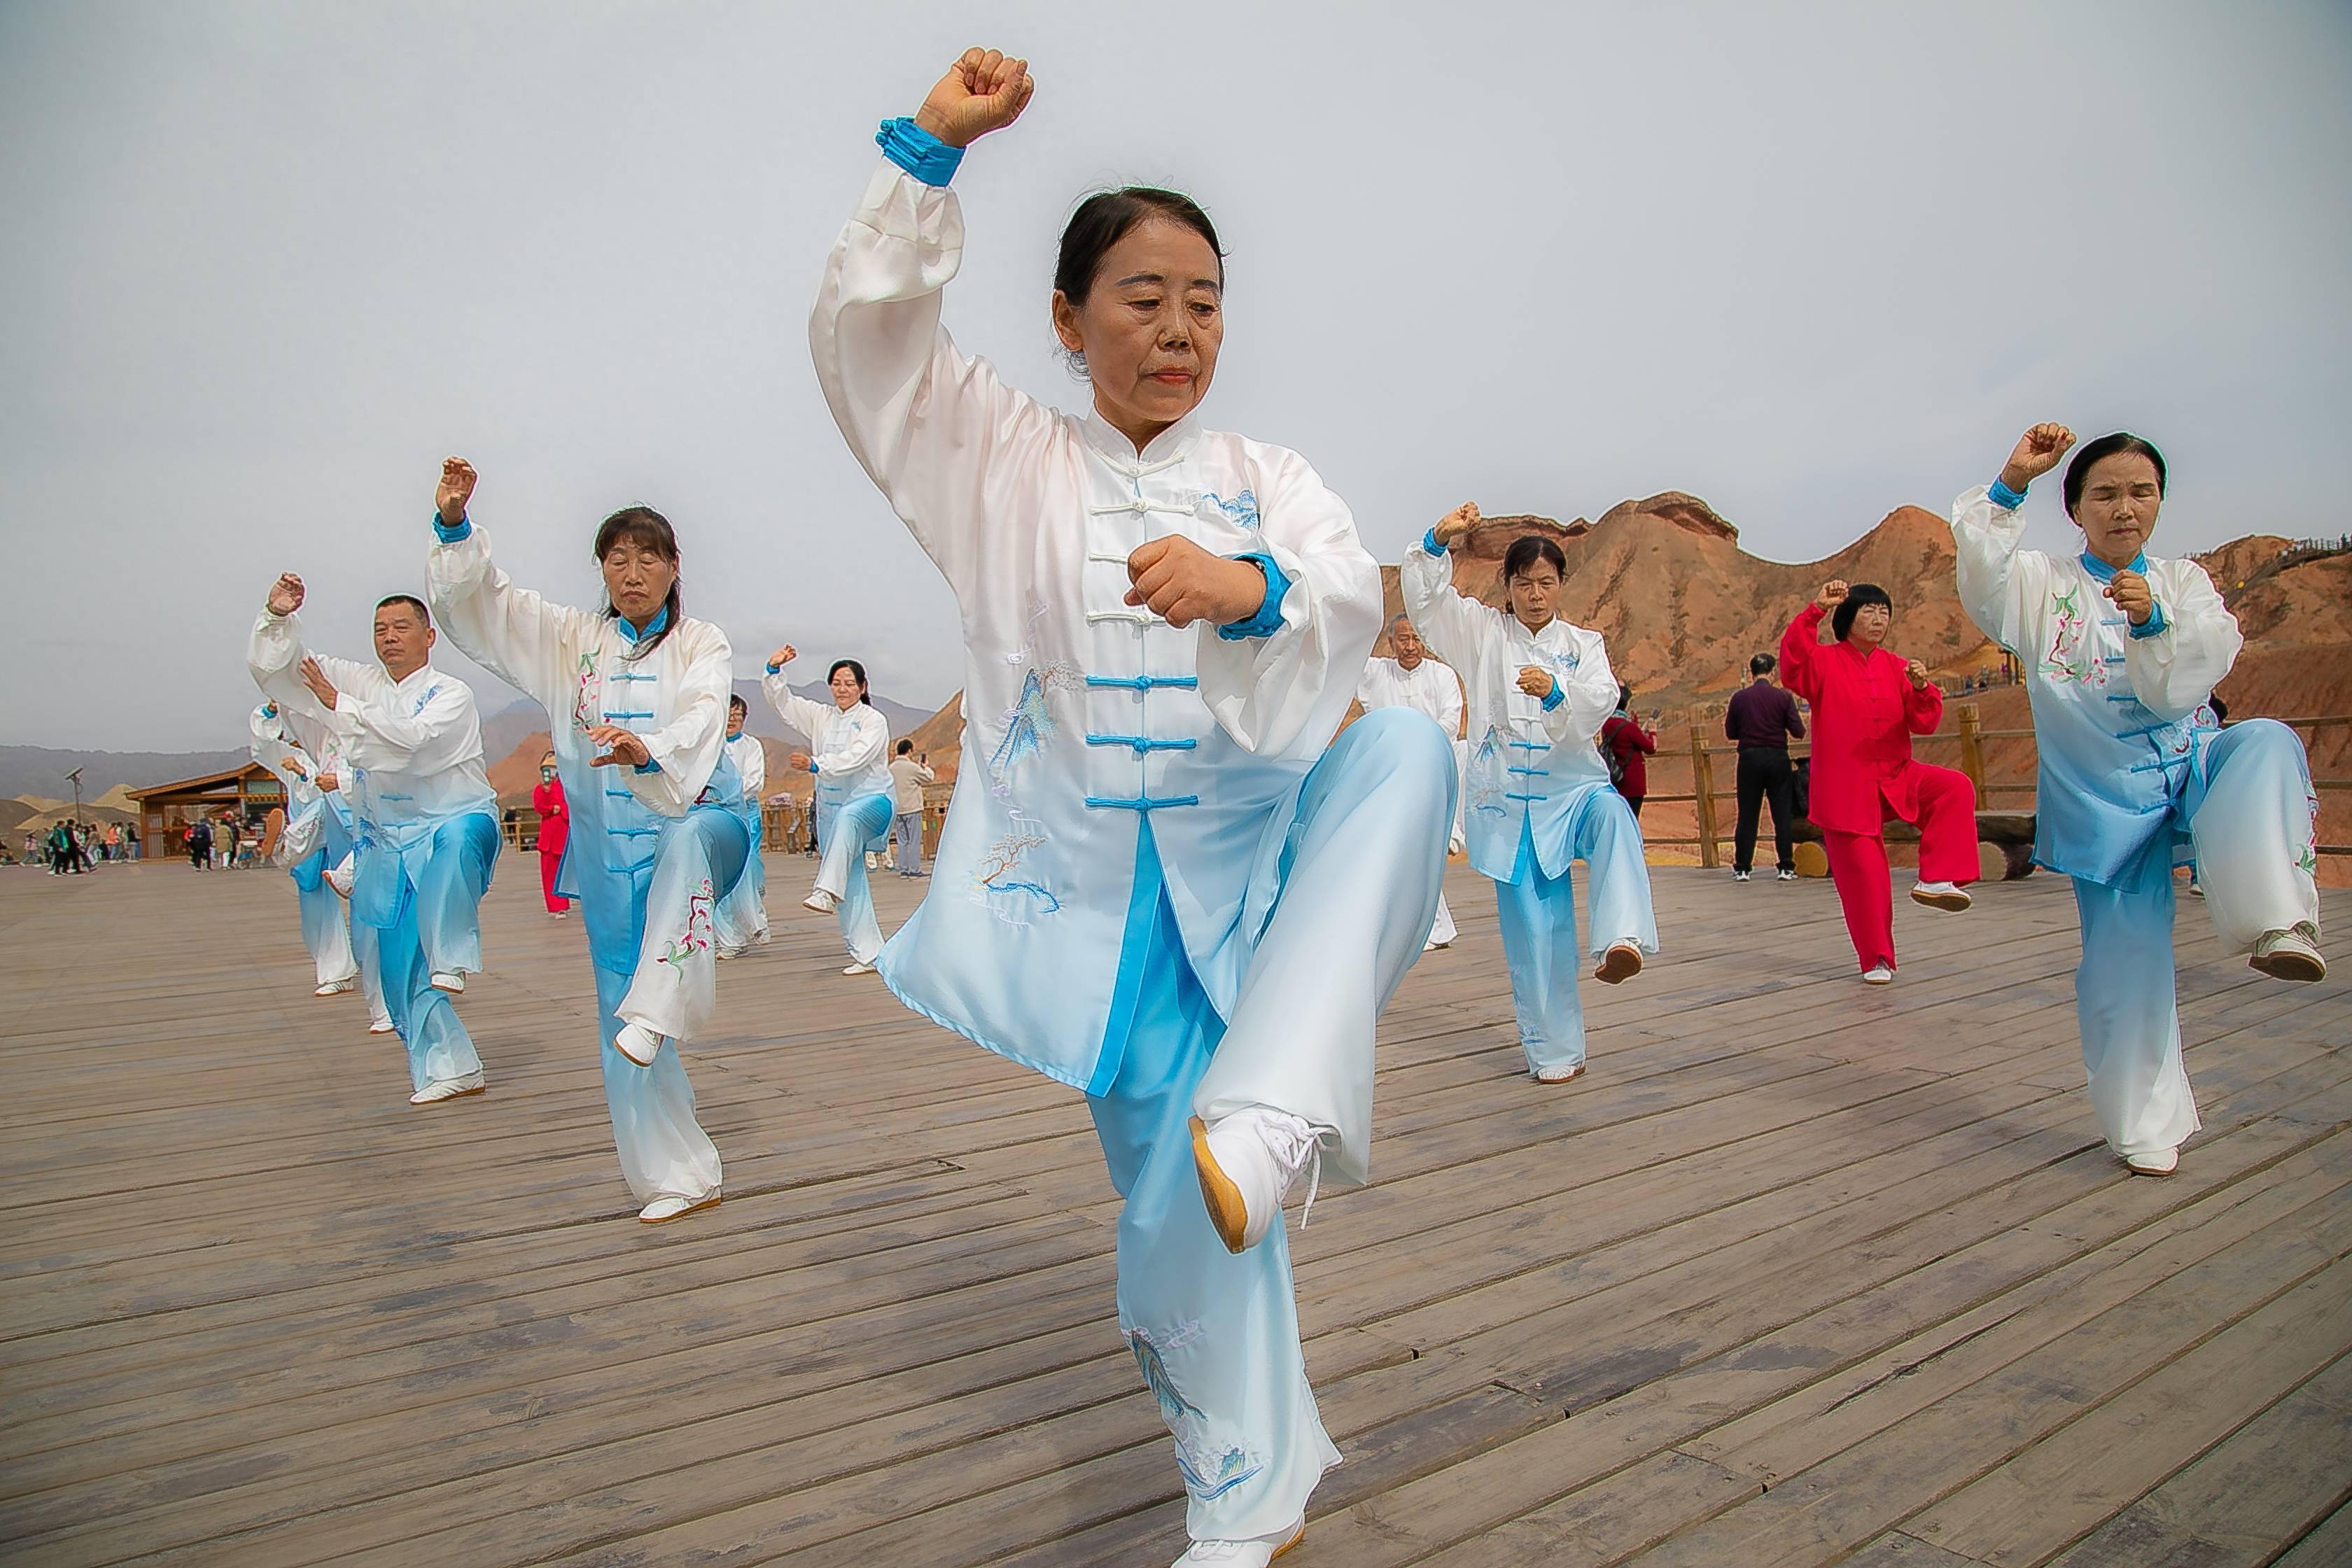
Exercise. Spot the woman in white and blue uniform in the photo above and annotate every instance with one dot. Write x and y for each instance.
(1536, 789)
(743, 914)
(637, 699)
(2121, 651)
(320, 837)
(1162, 881)
(851, 764)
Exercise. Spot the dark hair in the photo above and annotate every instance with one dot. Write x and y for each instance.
(1762, 664)
(1860, 594)
(735, 701)
(857, 673)
(906, 746)
(1106, 218)
(413, 601)
(2090, 452)
(1528, 548)
(644, 525)
(1625, 695)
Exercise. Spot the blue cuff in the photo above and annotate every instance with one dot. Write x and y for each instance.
(648, 766)
(2006, 499)
(452, 532)
(1268, 619)
(775, 669)
(812, 764)
(1429, 542)
(2153, 626)
(1557, 695)
(918, 151)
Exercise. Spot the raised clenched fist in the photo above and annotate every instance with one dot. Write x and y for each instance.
(456, 489)
(1457, 523)
(982, 92)
(286, 594)
(783, 657)
(1831, 595)
(2036, 453)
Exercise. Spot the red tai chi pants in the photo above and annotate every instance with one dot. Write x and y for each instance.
(547, 866)
(1948, 853)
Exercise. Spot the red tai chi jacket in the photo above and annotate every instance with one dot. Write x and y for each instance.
(1866, 712)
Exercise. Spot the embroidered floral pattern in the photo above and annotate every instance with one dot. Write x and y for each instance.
(1000, 883)
(1485, 775)
(1241, 512)
(696, 938)
(1029, 723)
(588, 708)
(2064, 663)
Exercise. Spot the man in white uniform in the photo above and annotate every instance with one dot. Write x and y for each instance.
(1413, 679)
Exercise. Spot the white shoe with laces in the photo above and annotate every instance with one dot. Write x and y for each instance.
(819, 900)
(1559, 1075)
(859, 969)
(1878, 974)
(1255, 1553)
(2292, 954)
(382, 1027)
(449, 1088)
(637, 1043)
(1949, 896)
(341, 875)
(337, 987)
(449, 980)
(1248, 1162)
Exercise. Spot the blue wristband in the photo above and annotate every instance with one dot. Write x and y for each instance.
(2152, 627)
(2004, 498)
(918, 151)
(450, 533)
(1429, 542)
(1555, 696)
(775, 669)
(1268, 619)
(649, 765)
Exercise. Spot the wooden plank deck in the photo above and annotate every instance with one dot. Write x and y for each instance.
(1799, 1273)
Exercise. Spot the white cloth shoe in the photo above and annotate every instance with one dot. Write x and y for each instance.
(341, 874)
(637, 1043)
(1248, 1162)
(1949, 896)
(668, 1207)
(337, 987)
(2292, 954)
(1559, 1075)
(819, 900)
(449, 980)
(449, 1088)
(382, 1027)
(1878, 974)
(859, 969)
(2157, 1163)
(1619, 964)
(1255, 1553)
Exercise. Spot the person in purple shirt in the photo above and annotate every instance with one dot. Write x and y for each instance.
(1761, 718)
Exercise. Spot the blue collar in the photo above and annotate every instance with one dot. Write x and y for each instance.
(661, 619)
(2102, 573)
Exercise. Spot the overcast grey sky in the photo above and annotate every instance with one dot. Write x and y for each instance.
(263, 265)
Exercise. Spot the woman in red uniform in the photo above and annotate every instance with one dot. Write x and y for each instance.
(554, 832)
(1867, 704)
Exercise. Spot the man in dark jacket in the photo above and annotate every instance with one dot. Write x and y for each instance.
(1762, 719)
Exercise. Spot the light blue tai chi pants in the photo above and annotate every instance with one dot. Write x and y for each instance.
(425, 907)
(1215, 1334)
(654, 922)
(1538, 922)
(326, 920)
(849, 832)
(2246, 804)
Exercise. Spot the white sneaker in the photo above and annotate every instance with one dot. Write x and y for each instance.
(449, 980)
(668, 1207)
(2290, 954)
(449, 1088)
(1252, 1554)
(1435, 946)
(337, 987)
(819, 900)
(637, 1043)
(1559, 1075)
(382, 1027)
(1878, 974)
(341, 875)
(1941, 896)
(1619, 964)
(1739, 876)
(859, 969)
(2160, 1163)
(1786, 877)
(1248, 1162)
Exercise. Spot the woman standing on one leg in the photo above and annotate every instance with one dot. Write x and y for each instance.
(639, 696)
(1160, 881)
(853, 803)
(1867, 704)
(1538, 792)
(743, 914)
(2122, 650)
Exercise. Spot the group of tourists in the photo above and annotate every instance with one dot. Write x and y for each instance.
(1169, 878)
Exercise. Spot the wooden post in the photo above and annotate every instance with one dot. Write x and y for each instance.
(1703, 786)
(1972, 748)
